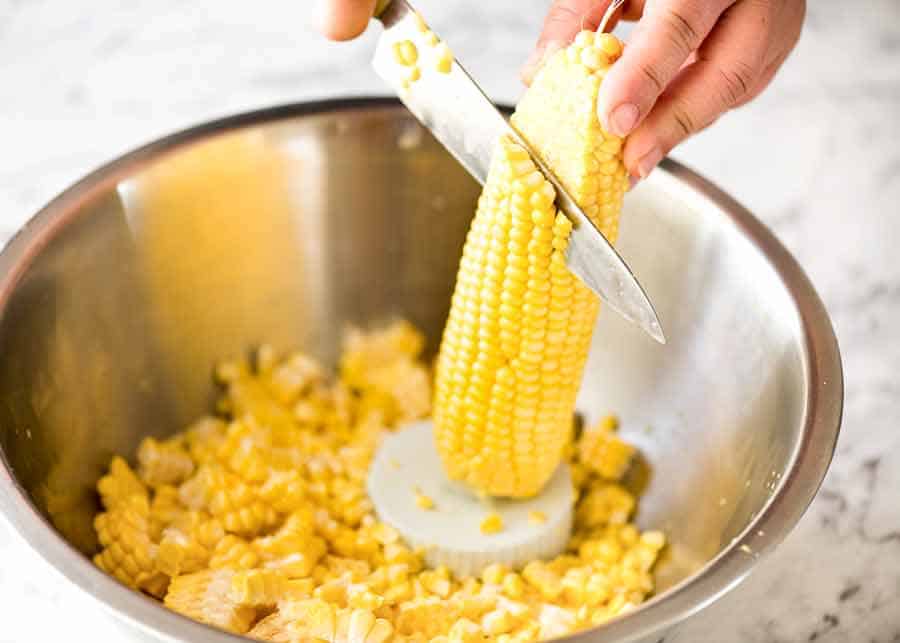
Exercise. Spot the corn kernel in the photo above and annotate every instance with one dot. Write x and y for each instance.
(423, 501)
(421, 25)
(610, 45)
(444, 58)
(492, 524)
(498, 622)
(405, 53)
(493, 574)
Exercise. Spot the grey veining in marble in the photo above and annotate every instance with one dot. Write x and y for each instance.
(816, 157)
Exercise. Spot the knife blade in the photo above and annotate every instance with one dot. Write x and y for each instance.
(459, 115)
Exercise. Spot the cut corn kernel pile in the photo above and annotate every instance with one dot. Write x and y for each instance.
(269, 532)
(257, 521)
(520, 323)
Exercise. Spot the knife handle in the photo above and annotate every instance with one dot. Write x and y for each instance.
(380, 6)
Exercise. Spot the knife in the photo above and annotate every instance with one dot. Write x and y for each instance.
(459, 114)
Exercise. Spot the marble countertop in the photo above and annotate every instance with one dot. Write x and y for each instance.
(816, 158)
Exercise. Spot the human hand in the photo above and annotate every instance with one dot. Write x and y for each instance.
(343, 19)
(687, 63)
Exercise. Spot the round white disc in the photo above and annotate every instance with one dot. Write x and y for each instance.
(407, 462)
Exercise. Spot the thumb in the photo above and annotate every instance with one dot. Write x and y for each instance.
(342, 19)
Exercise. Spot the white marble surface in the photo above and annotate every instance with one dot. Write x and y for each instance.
(816, 158)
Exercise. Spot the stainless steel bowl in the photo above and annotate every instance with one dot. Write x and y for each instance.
(285, 224)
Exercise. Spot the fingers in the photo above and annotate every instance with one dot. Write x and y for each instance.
(343, 19)
(633, 10)
(563, 22)
(667, 34)
(731, 65)
(789, 26)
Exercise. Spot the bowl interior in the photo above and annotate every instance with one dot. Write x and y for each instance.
(288, 230)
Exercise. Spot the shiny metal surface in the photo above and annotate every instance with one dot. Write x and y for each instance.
(458, 113)
(286, 224)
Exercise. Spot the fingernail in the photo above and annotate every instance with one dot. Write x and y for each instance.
(623, 119)
(632, 181)
(649, 161)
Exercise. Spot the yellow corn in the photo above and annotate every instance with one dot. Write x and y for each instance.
(429, 617)
(120, 484)
(204, 597)
(444, 58)
(604, 503)
(320, 565)
(228, 498)
(233, 553)
(406, 53)
(124, 533)
(497, 622)
(180, 552)
(492, 524)
(163, 463)
(543, 578)
(203, 439)
(274, 627)
(284, 490)
(520, 324)
(258, 587)
(423, 501)
(601, 451)
(289, 380)
(164, 510)
(293, 554)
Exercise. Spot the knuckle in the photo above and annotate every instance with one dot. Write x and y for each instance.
(565, 13)
(680, 30)
(687, 22)
(685, 123)
(654, 76)
(737, 81)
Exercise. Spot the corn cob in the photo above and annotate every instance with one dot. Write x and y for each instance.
(520, 323)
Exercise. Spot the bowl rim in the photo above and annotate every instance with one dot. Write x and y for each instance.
(809, 463)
